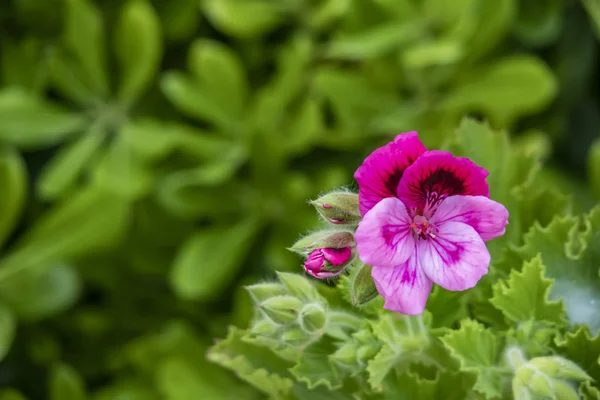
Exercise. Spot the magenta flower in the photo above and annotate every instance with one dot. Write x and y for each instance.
(327, 262)
(426, 216)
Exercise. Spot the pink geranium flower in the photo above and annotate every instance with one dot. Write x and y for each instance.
(426, 216)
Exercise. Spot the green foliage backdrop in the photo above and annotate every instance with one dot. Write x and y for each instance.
(156, 156)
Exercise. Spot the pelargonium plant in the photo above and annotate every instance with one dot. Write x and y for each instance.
(365, 320)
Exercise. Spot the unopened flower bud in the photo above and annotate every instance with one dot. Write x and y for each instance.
(296, 337)
(326, 263)
(299, 286)
(346, 354)
(263, 291)
(338, 208)
(559, 367)
(281, 309)
(324, 239)
(313, 318)
(535, 382)
(362, 288)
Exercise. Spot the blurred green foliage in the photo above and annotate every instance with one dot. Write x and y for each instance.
(157, 155)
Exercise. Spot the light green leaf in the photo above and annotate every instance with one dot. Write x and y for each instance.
(35, 294)
(256, 365)
(315, 369)
(571, 259)
(90, 221)
(84, 37)
(60, 174)
(504, 91)
(138, 46)
(375, 42)
(8, 327)
(582, 348)
(477, 350)
(29, 122)
(589, 392)
(66, 383)
(210, 259)
(233, 16)
(432, 53)
(13, 186)
(524, 296)
(191, 99)
(221, 74)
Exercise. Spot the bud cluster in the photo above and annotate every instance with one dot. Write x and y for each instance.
(544, 377)
(332, 251)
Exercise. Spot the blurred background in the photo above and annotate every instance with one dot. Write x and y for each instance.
(155, 156)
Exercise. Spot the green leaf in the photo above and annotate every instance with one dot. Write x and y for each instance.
(35, 294)
(138, 47)
(589, 392)
(504, 91)
(180, 19)
(90, 221)
(314, 367)
(66, 383)
(524, 296)
(593, 10)
(375, 42)
(446, 307)
(221, 74)
(8, 327)
(84, 37)
(210, 259)
(256, 365)
(29, 122)
(580, 347)
(571, 259)
(13, 186)
(446, 385)
(62, 172)
(11, 394)
(477, 350)
(232, 16)
(23, 64)
(190, 99)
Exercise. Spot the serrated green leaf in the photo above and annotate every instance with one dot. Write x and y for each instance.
(84, 37)
(314, 367)
(138, 46)
(582, 348)
(13, 185)
(446, 385)
(209, 259)
(66, 383)
(477, 350)
(571, 259)
(510, 88)
(30, 122)
(256, 365)
(8, 327)
(66, 167)
(524, 296)
(220, 73)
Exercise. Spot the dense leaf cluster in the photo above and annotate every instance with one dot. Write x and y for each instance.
(156, 156)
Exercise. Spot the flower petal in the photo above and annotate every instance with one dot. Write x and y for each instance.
(456, 258)
(488, 217)
(438, 174)
(405, 288)
(379, 174)
(383, 237)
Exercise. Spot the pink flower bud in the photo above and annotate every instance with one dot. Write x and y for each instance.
(327, 262)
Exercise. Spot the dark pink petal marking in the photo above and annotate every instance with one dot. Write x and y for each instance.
(487, 217)
(380, 172)
(437, 175)
(405, 288)
(383, 237)
(456, 258)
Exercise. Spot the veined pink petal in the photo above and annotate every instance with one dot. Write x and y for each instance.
(405, 288)
(438, 174)
(380, 172)
(383, 237)
(488, 217)
(456, 258)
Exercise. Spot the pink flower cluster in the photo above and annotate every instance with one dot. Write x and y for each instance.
(426, 218)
